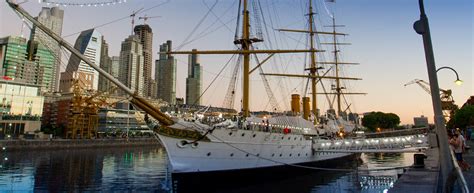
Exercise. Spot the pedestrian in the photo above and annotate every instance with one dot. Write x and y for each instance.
(457, 145)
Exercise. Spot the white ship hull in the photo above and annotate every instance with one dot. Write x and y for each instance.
(231, 149)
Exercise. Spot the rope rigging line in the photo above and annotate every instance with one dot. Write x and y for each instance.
(196, 26)
(215, 78)
(218, 18)
(51, 50)
(122, 18)
(236, 35)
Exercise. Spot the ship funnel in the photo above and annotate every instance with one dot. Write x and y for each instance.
(295, 104)
(306, 109)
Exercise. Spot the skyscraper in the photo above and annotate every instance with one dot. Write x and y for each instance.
(165, 75)
(89, 43)
(26, 62)
(145, 35)
(194, 80)
(131, 64)
(51, 17)
(105, 64)
(115, 66)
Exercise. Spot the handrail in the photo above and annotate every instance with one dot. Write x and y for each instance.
(457, 169)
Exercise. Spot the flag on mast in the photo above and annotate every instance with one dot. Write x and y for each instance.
(332, 1)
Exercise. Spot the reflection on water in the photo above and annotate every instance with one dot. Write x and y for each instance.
(144, 169)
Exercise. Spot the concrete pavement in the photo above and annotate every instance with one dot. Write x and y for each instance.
(469, 157)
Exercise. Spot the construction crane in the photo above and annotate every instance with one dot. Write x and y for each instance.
(133, 18)
(83, 114)
(147, 17)
(447, 101)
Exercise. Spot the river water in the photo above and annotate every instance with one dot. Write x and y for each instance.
(144, 169)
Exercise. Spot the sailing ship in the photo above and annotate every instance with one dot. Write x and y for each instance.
(245, 143)
(250, 142)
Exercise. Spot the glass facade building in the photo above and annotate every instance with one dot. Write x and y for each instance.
(165, 74)
(26, 62)
(21, 108)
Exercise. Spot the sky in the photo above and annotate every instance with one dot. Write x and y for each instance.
(381, 35)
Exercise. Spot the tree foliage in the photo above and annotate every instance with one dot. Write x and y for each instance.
(463, 117)
(381, 120)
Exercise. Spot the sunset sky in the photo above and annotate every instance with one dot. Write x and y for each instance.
(382, 40)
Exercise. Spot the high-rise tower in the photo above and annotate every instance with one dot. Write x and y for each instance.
(145, 35)
(89, 43)
(165, 74)
(51, 17)
(105, 64)
(26, 62)
(194, 80)
(131, 64)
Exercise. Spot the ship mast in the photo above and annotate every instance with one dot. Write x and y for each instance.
(338, 88)
(314, 75)
(246, 43)
(336, 63)
(313, 69)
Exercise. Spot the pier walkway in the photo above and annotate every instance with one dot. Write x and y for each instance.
(469, 157)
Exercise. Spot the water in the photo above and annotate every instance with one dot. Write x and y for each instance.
(144, 169)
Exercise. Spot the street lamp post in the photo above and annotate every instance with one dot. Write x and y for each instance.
(422, 27)
(457, 81)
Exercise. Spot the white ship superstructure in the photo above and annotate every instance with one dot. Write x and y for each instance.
(257, 144)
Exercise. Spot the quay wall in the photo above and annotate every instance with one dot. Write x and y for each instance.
(76, 143)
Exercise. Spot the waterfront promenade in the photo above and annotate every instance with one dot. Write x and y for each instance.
(469, 157)
(76, 143)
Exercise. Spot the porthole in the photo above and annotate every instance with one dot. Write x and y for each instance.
(254, 135)
(281, 154)
(289, 138)
(306, 154)
(243, 134)
(230, 133)
(298, 155)
(258, 154)
(290, 154)
(301, 139)
(209, 154)
(246, 155)
(282, 137)
(194, 145)
(182, 144)
(232, 155)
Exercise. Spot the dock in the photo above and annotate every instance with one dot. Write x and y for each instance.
(420, 179)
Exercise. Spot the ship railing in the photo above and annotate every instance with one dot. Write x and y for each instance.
(410, 143)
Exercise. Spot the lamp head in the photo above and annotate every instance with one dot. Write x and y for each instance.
(458, 82)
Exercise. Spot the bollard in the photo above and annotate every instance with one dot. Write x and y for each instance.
(419, 160)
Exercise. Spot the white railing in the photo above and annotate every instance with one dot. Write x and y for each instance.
(409, 143)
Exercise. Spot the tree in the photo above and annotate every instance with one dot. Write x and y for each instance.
(463, 117)
(381, 120)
